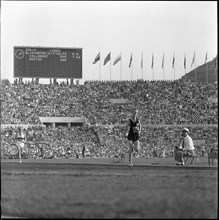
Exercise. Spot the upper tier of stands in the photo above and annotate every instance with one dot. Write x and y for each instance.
(159, 102)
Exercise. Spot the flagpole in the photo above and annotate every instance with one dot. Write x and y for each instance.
(206, 72)
(110, 68)
(173, 66)
(162, 65)
(163, 73)
(153, 66)
(195, 72)
(185, 65)
(130, 64)
(142, 73)
(99, 70)
(142, 66)
(121, 68)
(131, 71)
(215, 68)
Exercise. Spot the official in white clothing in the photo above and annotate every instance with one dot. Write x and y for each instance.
(186, 147)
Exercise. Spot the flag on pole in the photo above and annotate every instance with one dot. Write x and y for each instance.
(152, 63)
(185, 61)
(173, 62)
(107, 59)
(162, 62)
(193, 60)
(118, 58)
(142, 60)
(206, 57)
(97, 58)
(130, 62)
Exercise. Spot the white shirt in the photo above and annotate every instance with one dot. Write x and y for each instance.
(20, 144)
(188, 143)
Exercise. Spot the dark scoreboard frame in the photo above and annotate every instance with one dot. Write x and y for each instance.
(47, 62)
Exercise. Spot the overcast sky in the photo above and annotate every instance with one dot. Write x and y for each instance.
(114, 26)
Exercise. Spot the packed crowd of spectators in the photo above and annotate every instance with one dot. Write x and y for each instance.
(170, 103)
(63, 142)
(159, 102)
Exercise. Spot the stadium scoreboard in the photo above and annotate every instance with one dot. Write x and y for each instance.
(47, 62)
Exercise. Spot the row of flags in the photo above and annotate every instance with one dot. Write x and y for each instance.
(119, 58)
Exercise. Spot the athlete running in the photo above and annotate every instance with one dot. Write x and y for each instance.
(20, 142)
(133, 135)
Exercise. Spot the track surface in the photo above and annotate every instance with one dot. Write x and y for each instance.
(100, 188)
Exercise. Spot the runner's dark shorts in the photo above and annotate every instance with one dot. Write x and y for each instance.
(133, 137)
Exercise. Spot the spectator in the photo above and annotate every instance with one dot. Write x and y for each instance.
(160, 103)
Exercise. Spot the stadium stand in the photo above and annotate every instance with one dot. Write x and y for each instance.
(164, 107)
